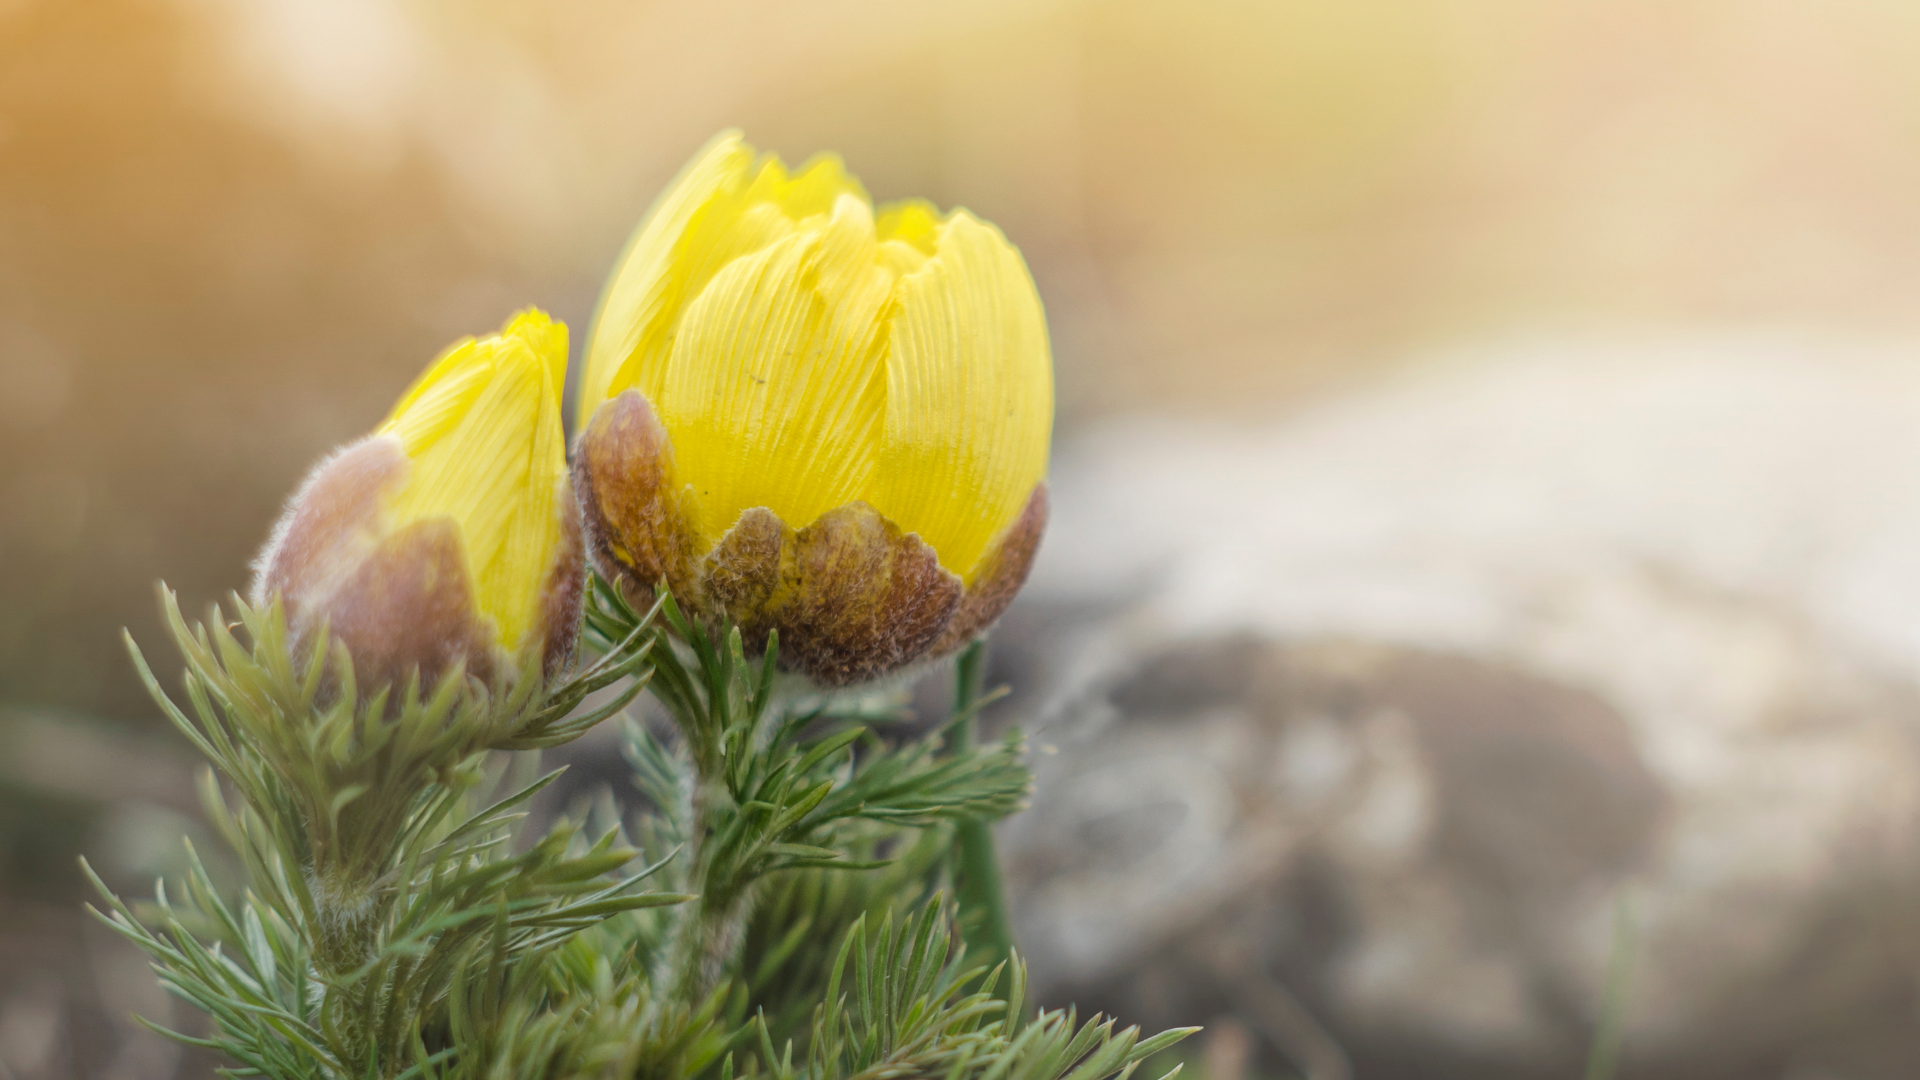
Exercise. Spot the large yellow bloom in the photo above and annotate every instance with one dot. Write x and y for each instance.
(807, 416)
(450, 535)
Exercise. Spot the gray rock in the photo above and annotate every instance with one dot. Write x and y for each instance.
(1411, 698)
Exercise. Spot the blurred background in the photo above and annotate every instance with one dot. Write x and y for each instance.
(1486, 466)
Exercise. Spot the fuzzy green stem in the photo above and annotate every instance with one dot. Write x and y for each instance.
(708, 931)
(703, 944)
(345, 938)
(984, 922)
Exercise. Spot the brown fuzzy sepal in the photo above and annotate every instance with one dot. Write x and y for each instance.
(852, 596)
(400, 600)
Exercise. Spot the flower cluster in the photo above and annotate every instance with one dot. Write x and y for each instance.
(809, 430)
(799, 415)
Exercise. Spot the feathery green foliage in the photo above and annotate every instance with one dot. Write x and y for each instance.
(399, 921)
(900, 1003)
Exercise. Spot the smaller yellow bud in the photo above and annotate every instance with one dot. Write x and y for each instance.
(450, 536)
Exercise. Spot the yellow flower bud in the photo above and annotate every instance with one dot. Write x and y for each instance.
(805, 416)
(449, 536)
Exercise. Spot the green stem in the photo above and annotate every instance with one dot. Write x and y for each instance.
(1603, 1057)
(345, 938)
(705, 942)
(707, 931)
(984, 923)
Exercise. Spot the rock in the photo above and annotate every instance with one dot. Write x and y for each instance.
(1422, 707)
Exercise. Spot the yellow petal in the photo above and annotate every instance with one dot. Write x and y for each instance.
(910, 221)
(775, 390)
(969, 387)
(751, 333)
(721, 207)
(637, 297)
(482, 431)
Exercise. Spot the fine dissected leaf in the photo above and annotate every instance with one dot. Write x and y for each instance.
(399, 919)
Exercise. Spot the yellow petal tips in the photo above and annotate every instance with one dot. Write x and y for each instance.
(969, 396)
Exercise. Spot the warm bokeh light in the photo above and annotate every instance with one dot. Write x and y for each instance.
(227, 228)
(231, 230)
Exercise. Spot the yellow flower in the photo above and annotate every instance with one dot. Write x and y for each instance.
(805, 416)
(450, 535)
